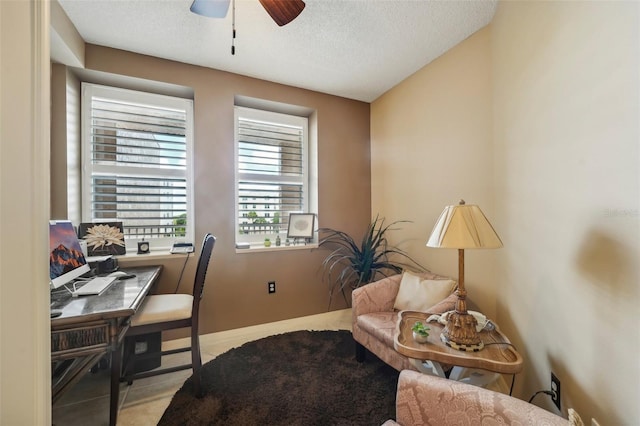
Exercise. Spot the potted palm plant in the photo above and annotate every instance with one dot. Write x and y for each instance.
(351, 265)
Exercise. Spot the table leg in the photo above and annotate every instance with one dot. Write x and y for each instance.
(72, 374)
(432, 368)
(473, 376)
(116, 365)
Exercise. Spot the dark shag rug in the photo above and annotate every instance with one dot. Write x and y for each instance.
(299, 378)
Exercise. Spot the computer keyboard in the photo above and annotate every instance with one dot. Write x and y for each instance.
(94, 286)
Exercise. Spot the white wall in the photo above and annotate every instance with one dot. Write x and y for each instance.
(25, 387)
(537, 117)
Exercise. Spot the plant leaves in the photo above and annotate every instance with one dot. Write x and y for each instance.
(350, 265)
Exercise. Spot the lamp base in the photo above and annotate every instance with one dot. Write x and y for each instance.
(461, 347)
(460, 332)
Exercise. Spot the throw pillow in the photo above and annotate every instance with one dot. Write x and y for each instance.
(417, 294)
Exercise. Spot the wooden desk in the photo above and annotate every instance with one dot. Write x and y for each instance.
(498, 355)
(91, 327)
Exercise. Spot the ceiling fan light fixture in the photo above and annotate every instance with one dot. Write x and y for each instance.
(283, 11)
(210, 8)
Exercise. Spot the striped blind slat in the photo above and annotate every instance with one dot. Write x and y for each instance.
(135, 143)
(270, 149)
(267, 205)
(271, 171)
(137, 135)
(140, 203)
(106, 126)
(125, 115)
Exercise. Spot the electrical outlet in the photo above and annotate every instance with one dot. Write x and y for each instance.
(271, 285)
(555, 388)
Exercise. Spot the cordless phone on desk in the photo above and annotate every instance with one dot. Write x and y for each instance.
(179, 248)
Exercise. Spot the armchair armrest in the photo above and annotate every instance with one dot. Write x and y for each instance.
(375, 297)
(424, 399)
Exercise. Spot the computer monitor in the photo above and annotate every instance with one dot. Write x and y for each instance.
(66, 260)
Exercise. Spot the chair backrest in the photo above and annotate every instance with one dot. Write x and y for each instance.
(203, 263)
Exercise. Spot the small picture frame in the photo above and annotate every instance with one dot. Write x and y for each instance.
(103, 238)
(301, 225)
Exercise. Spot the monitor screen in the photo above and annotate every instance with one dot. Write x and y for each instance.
(66, 261)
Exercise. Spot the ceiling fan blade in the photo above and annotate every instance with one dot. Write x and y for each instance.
(210, 8)
(283, 11)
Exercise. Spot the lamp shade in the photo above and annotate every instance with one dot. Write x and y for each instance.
(463, 227)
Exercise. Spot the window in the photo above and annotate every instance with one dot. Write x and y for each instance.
(272, 172)
(136, 153)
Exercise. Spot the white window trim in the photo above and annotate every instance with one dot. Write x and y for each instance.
(257, 241)
(89, 90)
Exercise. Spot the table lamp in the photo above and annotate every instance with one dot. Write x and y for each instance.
(463, 226)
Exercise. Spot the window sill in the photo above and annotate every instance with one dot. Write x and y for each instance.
(273, 248)
(161, 254)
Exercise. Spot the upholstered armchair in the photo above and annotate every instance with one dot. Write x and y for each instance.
(428, 400)
(374, 318)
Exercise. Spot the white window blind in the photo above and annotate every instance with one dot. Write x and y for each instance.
(271, 172)
(136, 163)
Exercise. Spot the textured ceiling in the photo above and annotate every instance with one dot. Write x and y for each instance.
(357, 49)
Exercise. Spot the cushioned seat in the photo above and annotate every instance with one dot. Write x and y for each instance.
(168, 312)
(381, 325)
(163, 308)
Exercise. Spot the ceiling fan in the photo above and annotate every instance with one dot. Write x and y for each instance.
(281, 11)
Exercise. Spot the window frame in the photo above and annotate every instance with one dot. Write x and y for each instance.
(278, 118)
(90, 90)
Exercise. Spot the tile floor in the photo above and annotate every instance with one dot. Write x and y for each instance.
(144, 402)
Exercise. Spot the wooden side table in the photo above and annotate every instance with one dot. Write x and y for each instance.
(477, 368)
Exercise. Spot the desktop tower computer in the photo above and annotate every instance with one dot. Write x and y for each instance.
(149, 346)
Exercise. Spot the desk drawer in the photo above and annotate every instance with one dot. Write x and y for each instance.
(79, 340)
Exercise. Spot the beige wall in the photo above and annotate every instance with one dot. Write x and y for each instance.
(25, 363)
(559, 175)
(567, 191)
(430, 147)
(236, 293)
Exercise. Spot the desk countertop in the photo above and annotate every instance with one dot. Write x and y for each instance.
(121, 298)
